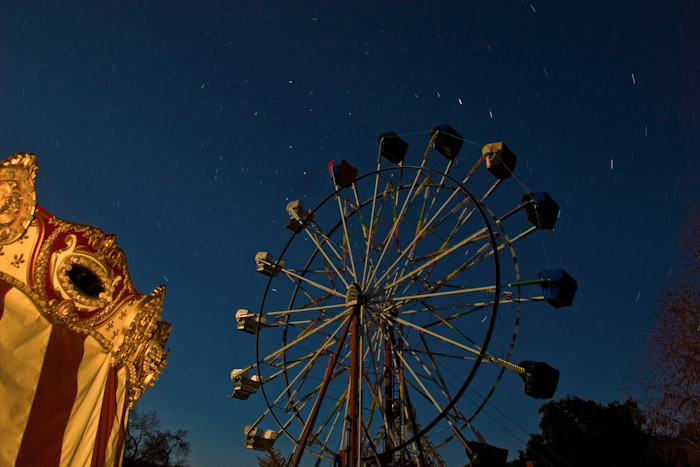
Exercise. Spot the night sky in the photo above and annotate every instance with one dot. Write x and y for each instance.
(185, 129)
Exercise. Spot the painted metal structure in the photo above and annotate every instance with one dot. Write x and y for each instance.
(401, 284)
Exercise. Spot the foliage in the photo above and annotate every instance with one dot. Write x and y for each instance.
(272, 459)
(672, 396)
(577, 432)
(146, 446)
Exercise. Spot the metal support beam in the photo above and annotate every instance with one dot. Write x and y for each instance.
(311, 421)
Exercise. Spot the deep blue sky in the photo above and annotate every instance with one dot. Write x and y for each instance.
(184, 129)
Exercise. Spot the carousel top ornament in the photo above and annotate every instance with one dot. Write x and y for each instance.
(79, 343)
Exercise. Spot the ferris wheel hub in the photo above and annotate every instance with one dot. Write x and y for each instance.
(355, 295)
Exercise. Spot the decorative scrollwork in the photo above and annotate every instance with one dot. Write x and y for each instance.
(17, 196)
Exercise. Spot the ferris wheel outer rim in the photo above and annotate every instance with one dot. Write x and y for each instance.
(497, 287)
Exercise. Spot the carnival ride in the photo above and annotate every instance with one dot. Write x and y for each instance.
(384, 303)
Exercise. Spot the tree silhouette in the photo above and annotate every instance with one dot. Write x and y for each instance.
(577, 433)
(272, 459)
(672, 383)
(146, 446)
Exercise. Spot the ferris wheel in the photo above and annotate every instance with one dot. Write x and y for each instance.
(390, 315)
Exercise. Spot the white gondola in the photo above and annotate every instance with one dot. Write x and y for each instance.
(298, 217)
(249, 322)
(265, 264)
(244, 385)
(259, 439)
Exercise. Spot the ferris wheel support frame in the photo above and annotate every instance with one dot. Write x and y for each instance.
(352, 453)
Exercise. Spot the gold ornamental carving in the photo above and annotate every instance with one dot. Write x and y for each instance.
(17, 196)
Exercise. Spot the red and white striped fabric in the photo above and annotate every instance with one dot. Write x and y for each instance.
(63, 403)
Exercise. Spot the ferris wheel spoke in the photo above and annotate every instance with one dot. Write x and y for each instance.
(461, 221)
(490, 191)
(421, 214)
(293, 275)
(480, 254)
(311, 358)
(423, 231)
(472, 308)
(304, 399)
(424, 391)
(440, 382)
(483, 253)
(374, 387)
(335, 410)
(465, 208)
(388, 293)
(441, 254)
(431, 356)
(299, 324)
(450, 326)
(446, 203)
(377, 405)
(443, 248)
(366, 438)
(454, 306)
(399, 218)
(297, 407)
(379, 343)
(326, 257)
(475, 351)
(404, 291)
(523, 234)
(466, 203)
(419, 269)
(330, 340)
(330, 431)
(346, 238)
(291, 363)
(314, 441)
(465, 308)
(407, 263)
(375, 338)
(376, 215)
(370, 235)
(439, 186)
(488, 358)
(276, 354)
(317, 232)
(358, 211)
(329, 242)
(442, 354)
(460, 290)
(445, 320)
(305, 309)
